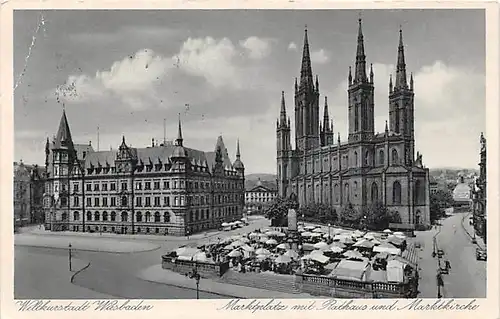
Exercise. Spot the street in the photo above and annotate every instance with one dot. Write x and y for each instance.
(467, 277)
(110, 275)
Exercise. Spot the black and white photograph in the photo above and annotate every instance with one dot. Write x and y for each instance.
(250, 154)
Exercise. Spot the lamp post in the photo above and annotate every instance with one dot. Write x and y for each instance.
(196, 276)
(303, 221)
(329, 230)
(69, 253)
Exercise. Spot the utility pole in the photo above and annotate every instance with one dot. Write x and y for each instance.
(69, 252)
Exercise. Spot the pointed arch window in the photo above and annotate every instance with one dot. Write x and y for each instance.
(367, 158)
(356, 117)
(89, 216)
(418, 192)
(113, 216)
(396, 193)
(138, 217)
(76, 216)
(374, 192)
(355, 159)
(124, 216)
(157, 217)
(96, 216)
(381, 157)
(166, 217)
(395, 157)
(148, 217)
(346, 192)
(336, 192)
(105, 216)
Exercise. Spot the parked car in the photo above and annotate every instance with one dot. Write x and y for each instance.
(480, 254)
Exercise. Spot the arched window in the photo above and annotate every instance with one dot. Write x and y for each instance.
(124, 201)
(138, 217)
(113, 216)
(367, 158)
(89, 216)
(124, 216)
(346, 193)
(336, 192)
(381, 157)
(166, 217)
(355, 191)
(76, 216)
(157, 217)
(148, 217)
(355, 159)
(396, 193)
(374, 192)
(417, 192)
(105, 216)
(96, 216)
(395, 157)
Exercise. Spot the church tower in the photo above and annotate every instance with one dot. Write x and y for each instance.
(401, 111)
(326, 128)
(284, 149)
(306, 104)
(361, 96)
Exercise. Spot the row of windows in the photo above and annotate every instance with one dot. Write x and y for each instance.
(368, 160)
(177, 200)
(144, 168)
(418, 193)
(155, 185)
(148, 217)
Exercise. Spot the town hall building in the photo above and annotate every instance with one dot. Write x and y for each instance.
(369, 167)
(165, 189)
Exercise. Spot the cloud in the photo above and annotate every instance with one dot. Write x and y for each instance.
(211, 59)
(292, 46)
(320, 56)
(130, 78)
(449, 109)
(258, 48)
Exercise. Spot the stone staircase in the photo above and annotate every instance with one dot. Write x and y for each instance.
(267, 281)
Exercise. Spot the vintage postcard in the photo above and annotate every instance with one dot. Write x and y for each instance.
(212, 159)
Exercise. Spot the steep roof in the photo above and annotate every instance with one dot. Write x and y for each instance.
(63, 136)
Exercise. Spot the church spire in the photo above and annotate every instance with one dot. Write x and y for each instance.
(306, 76)
(349, 77)
(390, 83)
(411, 81)
(360, 71)
(179, 139)
(401, 66)
(283, 110)
(326, 118)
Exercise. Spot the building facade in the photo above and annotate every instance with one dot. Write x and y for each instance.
(162, 189)
(260, 196)
(479, 194)
(28, 194)
(369, 166)
(462, 196)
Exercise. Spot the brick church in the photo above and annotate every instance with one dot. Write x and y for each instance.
(369, 167)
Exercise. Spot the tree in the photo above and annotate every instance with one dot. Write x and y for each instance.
(278, 212)
(442, 198)
(350, 215)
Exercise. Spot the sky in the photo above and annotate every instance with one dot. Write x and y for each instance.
(128, 72)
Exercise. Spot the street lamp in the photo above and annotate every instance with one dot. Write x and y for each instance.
(329, 230)
(69, 253)
(196, 276)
